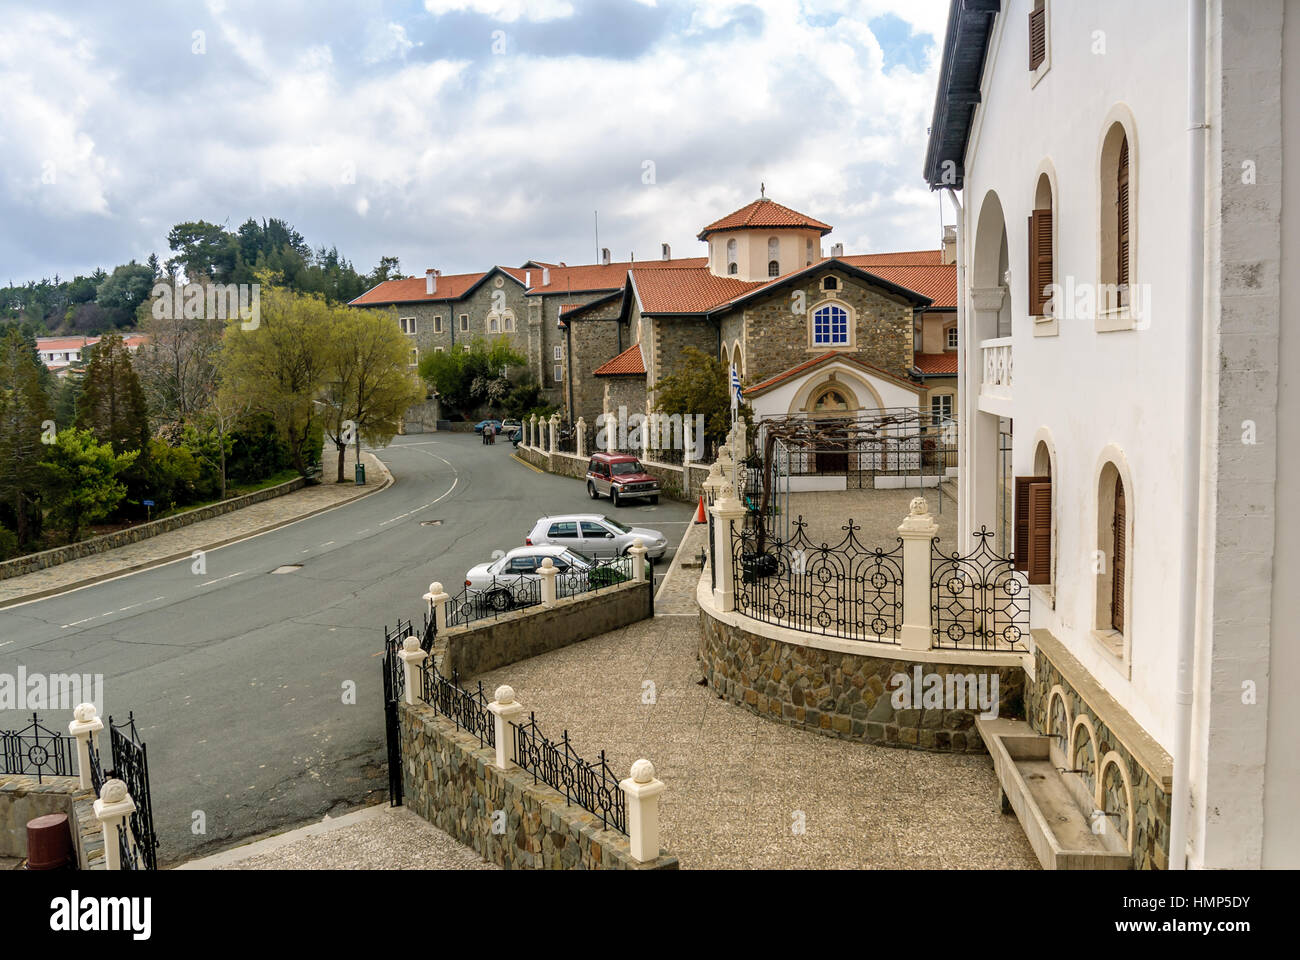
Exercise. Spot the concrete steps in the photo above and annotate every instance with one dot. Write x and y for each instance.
(1056, 823)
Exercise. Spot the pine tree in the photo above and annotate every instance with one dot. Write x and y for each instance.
(24, 417)
(112, 404)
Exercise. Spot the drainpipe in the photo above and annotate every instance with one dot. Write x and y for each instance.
(1192, 479)
(963, 387)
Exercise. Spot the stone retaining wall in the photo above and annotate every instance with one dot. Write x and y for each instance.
(669, 476)
(120, 538)
(1151, 791)
(843, 695)
(489, 644)
(23, 799)
(451, 781)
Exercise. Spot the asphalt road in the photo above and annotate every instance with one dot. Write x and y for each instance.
(238, 676)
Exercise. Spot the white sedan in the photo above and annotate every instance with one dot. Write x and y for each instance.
(513, 580)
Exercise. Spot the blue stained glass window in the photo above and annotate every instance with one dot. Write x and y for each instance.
(830, 326)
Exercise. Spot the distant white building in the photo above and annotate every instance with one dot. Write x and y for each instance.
(59, 354)
(1129, 391)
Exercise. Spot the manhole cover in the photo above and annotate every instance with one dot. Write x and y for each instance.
(431, 523)
(287, 568)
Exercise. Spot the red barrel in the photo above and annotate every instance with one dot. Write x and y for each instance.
(49, 842)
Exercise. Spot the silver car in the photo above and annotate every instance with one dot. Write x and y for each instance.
(513, 580)
(593, 535)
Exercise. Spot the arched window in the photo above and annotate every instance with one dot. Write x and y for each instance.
(808, 253)
(830, 283)
(773, 257)
(1117, 224)
(773, 268)
(830, 326)
(731, 256)
(831, 401)
(1041, 268)
(1114, 543)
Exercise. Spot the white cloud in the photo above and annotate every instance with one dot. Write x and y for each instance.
(386, 41)
(507, 11)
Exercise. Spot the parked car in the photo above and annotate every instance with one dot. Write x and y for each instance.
(483, 424)
(593, 535)
(513, 580)
(510, 425)
(620, 476)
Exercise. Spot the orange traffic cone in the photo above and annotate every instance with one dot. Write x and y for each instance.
(699, 514)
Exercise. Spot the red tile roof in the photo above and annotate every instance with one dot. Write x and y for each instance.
(686, 291)
(603, 276)
(761, 214)
(412, 289)
(906, 258)
(818, 361)
(936, 363)
(939, 283)
(628, 363)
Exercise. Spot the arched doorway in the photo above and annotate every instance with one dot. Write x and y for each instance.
(833, 409)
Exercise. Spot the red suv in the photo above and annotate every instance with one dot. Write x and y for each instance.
(622, 477)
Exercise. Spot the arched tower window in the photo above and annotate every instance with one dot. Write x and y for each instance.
(773, 257)
(732, 266)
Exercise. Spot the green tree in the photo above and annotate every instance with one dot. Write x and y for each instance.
(178, 365)
(698, 387)
(81, 479)
(475, 378)
(205, 251)
(112, 404)
(24, 417)
(125, 289)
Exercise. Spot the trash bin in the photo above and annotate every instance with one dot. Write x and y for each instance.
(361, 474)
(49, 843)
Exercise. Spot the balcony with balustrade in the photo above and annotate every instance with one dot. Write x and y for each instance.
(995, 377)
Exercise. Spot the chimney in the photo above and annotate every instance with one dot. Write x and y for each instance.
(837, 250)
(667, 251)
(546, 276)
(430, 282)
(949, 244)
(604, 255)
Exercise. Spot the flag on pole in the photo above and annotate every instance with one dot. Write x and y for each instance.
(735, 394)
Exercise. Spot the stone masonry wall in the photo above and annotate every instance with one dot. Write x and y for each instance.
(627, 392)
(669, 476)
(840, 694)
(519, 635)
(595, 341)
(451, 781)
(143, 531)
(1151, 796)
(23, 799)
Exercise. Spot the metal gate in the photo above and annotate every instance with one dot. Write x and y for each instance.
(139, 844)
(394, 690)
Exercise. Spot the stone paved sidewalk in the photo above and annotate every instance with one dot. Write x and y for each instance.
(374, 838)
(204, 535)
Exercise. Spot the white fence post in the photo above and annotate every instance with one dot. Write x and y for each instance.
(548, 572)
(85, 726)
(530, 431)
(637, 552)
(917, 531)
(412, 661)
(504, 708)
(726, 509)
(437, 599)
(582, 437)
(111, 809)
(554, 423)
(642, 792)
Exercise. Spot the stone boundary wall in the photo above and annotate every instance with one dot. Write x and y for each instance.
(455, 426)
(669, 476)
(843, 695)
(453, 783)
(23, 799)
(1151, 781)
(143, 531)
(489, 644)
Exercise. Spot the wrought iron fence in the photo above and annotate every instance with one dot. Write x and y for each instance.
(847, 590)
(575, 580)
(980, 601)
(467, 709)
(394, 690)
(566, 438)
(131, 765)
(497, 598)
(667, 455)
(36, 749)
(592, 786)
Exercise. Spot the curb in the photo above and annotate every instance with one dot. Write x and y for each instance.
(676, 566)
(161, 561)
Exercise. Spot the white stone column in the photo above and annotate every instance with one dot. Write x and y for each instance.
(111, 809)
(413, 659)
(437, 599)
(712, 483)
(582, 437)
(548, 573)
(917, 531)
(641, 791)
(85, 726)
(637, 552)
(554, 423)
(504, 708)
(726, 509)
(688, 423)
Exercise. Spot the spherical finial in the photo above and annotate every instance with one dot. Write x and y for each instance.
(411, 644)
(435, 588)
(85, 712)
(505, 694)
(643, 771)
(919, 507)
(547, 563)
(113, 791)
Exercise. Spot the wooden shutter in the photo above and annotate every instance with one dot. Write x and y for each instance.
(1040, 532)
(1040, 261)
(1119, 559)
(1122, 208)
(1037, 36)
(1021, 505)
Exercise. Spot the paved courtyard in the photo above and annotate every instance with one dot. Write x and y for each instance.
(740, 788)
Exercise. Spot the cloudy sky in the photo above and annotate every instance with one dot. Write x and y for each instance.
(458, 133)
